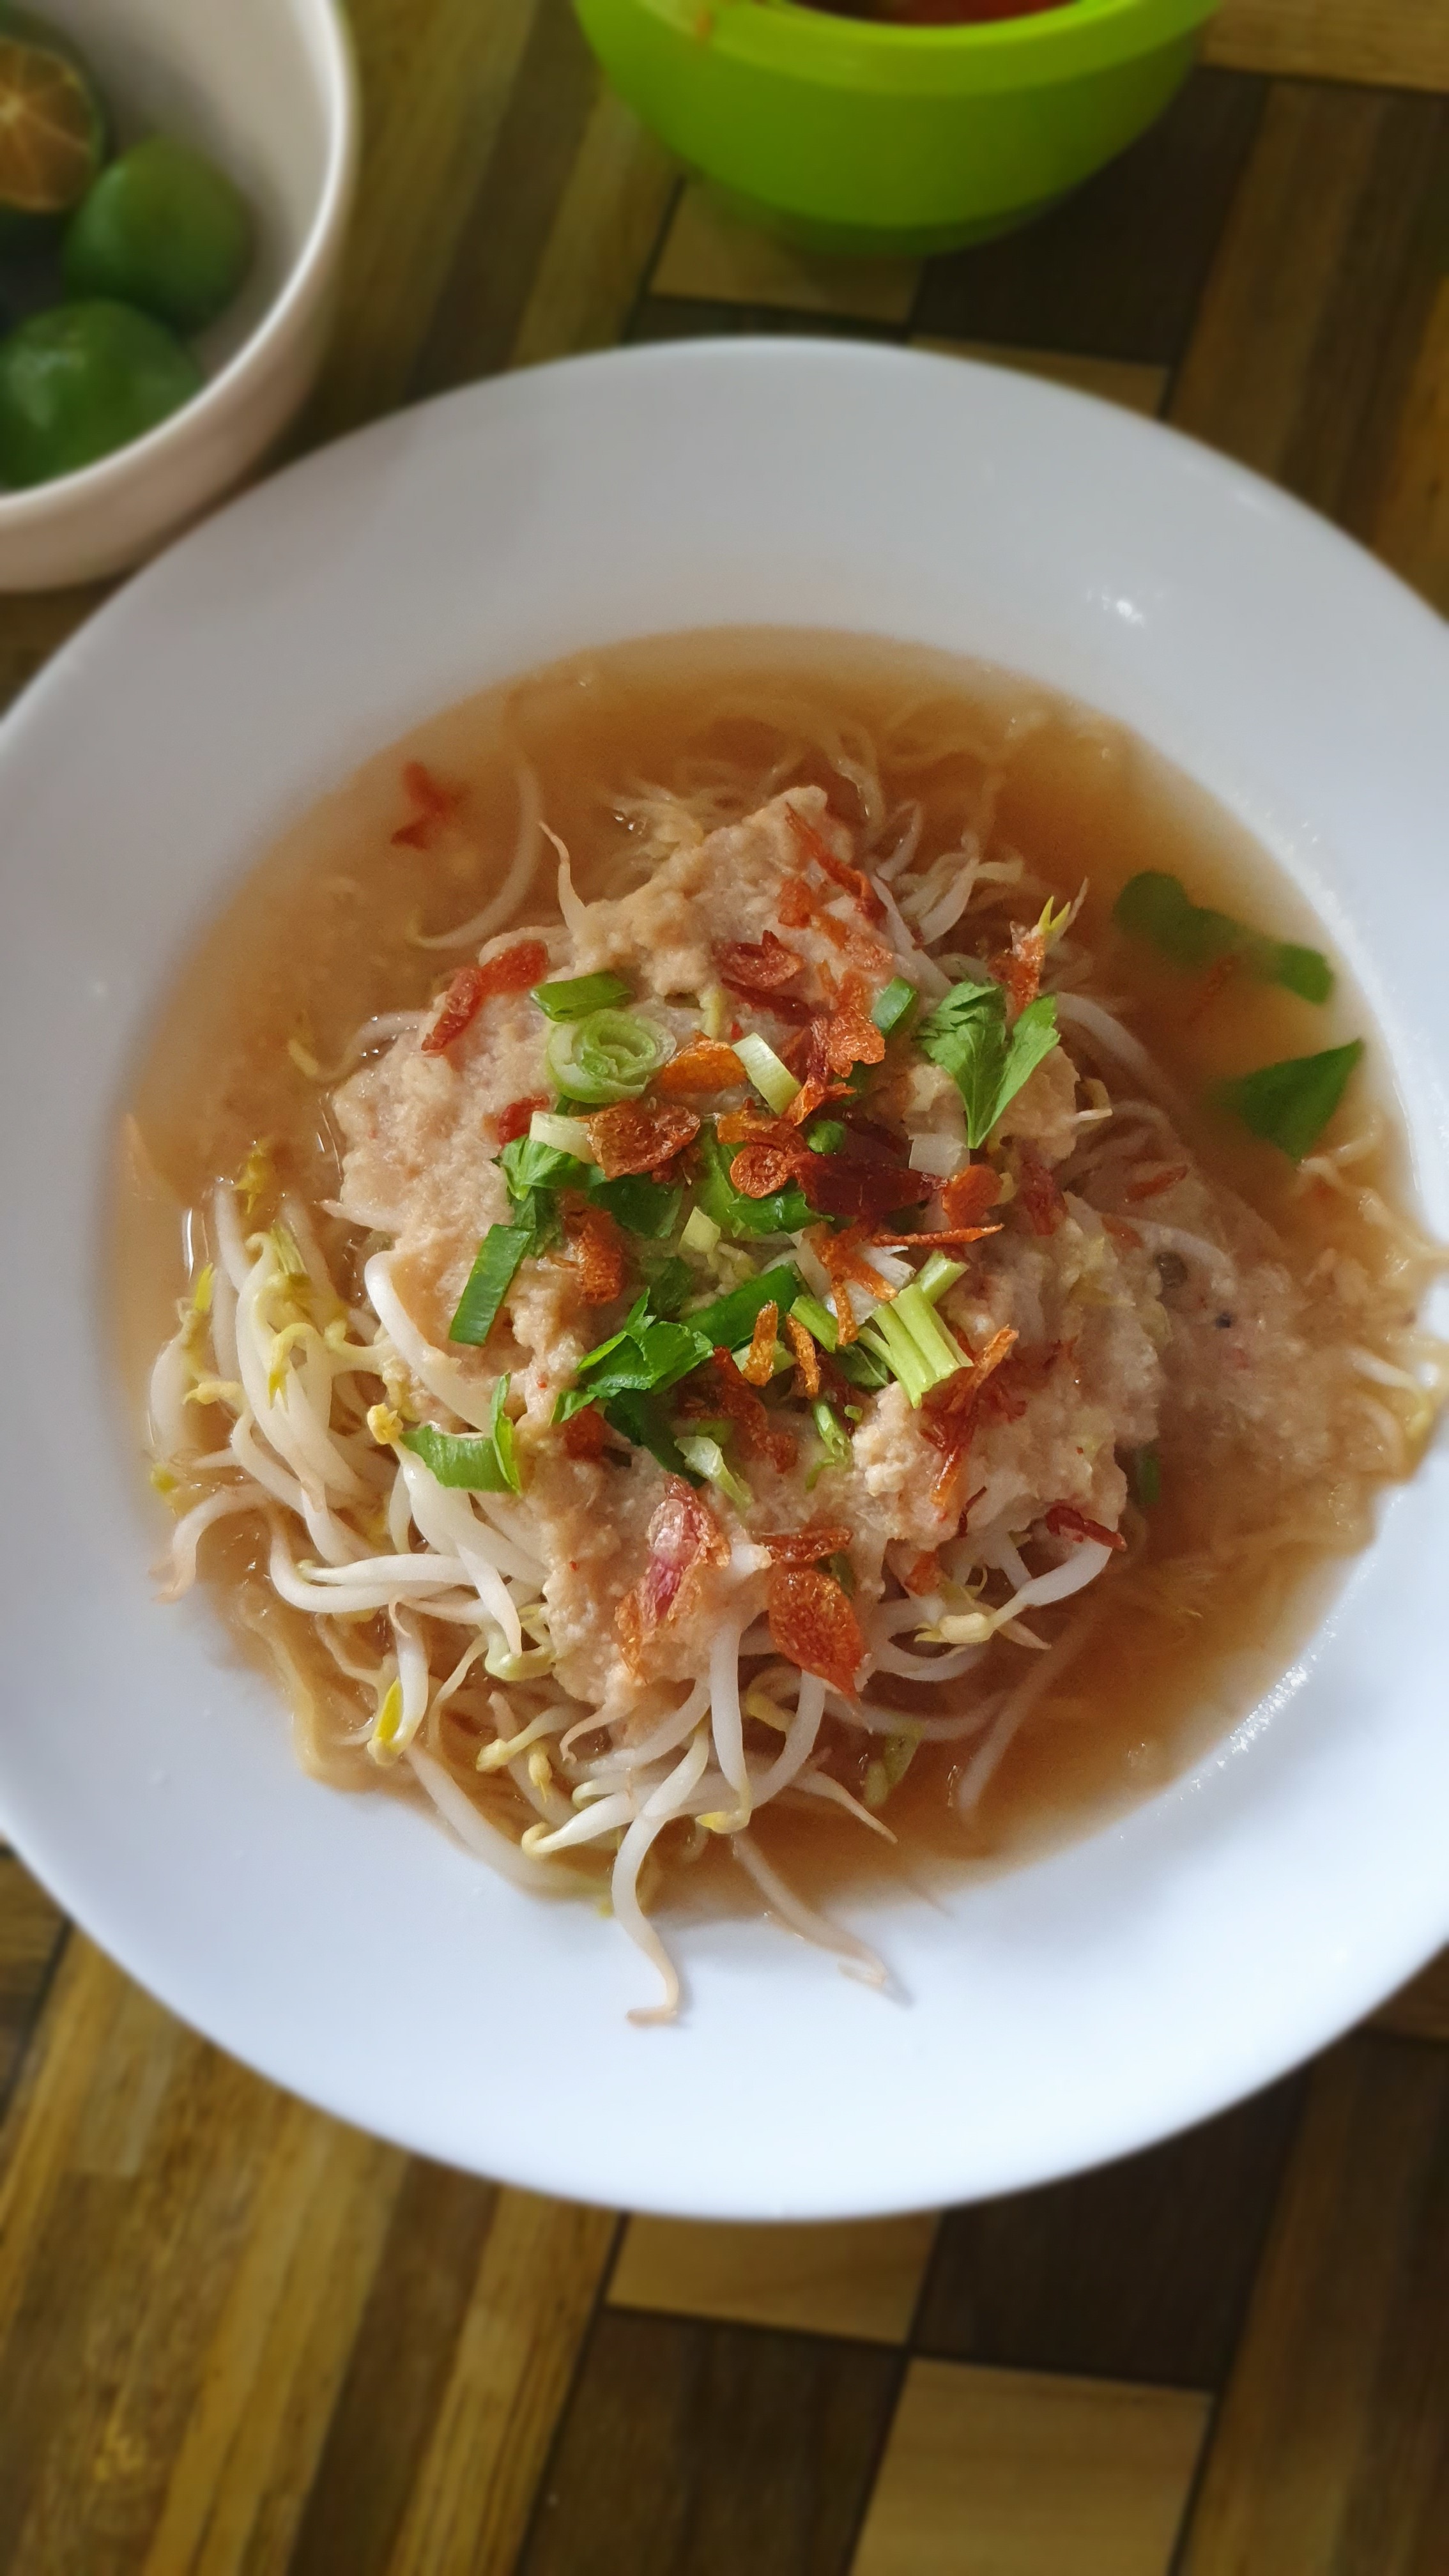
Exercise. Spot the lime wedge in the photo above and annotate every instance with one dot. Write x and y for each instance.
(52, 132)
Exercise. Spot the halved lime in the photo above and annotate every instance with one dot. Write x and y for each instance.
(52, 129)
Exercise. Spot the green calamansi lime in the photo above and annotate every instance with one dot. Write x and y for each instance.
(162, 228)
(80, 381)
(52, 127)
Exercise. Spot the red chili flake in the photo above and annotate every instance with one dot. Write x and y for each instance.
(922, 1574)
(706, 1064)
(1158, 1182)
(807, 1357)
(433, 804)
(1121, 1232)
(586, 1434)
(806, 1546)
(515, 1120)
(682, 1536)
(850, 880)
(758, 1365)
(861, 1190)
(1019, 967)
(631, 1138)
(813, 1625)
(1037, 1194)
(598, 1250)
(1065, 1521)
(759, 1170)
(758, 965)
(1219, 974)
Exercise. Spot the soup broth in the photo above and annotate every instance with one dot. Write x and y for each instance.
(1204, 1609)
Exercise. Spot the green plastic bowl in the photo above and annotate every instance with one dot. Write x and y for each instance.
(850, 136)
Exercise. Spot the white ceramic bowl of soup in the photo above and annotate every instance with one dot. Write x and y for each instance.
(1064, 2011)
(269, 92)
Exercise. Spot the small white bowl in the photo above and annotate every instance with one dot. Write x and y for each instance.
(269, 91)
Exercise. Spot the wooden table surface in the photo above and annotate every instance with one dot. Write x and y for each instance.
(237, 2338)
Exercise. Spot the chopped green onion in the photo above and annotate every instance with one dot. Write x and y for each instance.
(484, 1462)
(1145, 1469)
(611, 1055)
(579, 995)
(785, 1211)
(937, 1275)
(773, 1080)
(565, 1135)
(889, 1768)
(826, 1137)
(1290, 1104)
(491, 1277)
(967, 1036)
(835, 1440)
(701, 1234)
(707, 1459)
(730, 1320)
(891, 1007)
(915, 1345)
(817, 1320)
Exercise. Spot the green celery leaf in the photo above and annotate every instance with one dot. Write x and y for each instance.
(1290, 1104)
(967, 1036)
(640, 1418)
(731, 1319)
(784, 1212)
(641, 1206)
(669, 1285)
(1158, 907)
(491, 1277)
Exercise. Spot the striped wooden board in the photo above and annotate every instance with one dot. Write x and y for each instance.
(236, 2338)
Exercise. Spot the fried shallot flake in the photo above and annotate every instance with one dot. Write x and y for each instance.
(758, 1365)
(706, 1064)
(1065, 1521)
(812, 1624)
(632, 1138)
(598, 1250)
(511, 972)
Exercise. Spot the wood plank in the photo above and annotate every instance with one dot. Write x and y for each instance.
(1117, 271)
(602, 241)
(1404, 43)
(708, 254)
(1138, 2271)
(31, 1930)
(1329, 2458)
(861, 2279)
(533, 2293)
(1119, 380)
(1410, 529)
(482, 303)
(707, 2450)
(1304, 350)
(1011, 2473)
(436, 79)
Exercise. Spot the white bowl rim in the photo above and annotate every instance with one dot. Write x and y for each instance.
(94, 483)
(1334, 1987)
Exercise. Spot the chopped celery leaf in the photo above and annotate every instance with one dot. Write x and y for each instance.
(1290, 1104)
